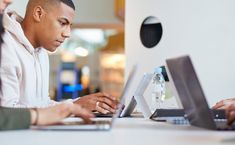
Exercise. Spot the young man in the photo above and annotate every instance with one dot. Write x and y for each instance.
(25, 66)
(16, 118)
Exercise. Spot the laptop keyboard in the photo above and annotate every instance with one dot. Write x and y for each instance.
(220, 120)
(97, 114)
(181, 121)
(84, 123)
(101, 122)
(222, 125)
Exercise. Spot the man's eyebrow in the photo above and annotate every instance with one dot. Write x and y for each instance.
(65, 19)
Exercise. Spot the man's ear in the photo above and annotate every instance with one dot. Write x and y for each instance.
(38, 13)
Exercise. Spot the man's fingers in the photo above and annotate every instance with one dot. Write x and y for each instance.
(101, 110)
(106, 95)
(108, 101)
(106, 107)
(90, 101)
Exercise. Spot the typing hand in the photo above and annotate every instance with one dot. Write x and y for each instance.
(55, 114)
(230, 113)
(101, 102)
(224, 104)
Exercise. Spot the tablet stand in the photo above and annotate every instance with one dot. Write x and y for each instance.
(138, 98)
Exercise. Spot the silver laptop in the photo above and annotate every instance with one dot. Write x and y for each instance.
(192, 96)
(97, 124)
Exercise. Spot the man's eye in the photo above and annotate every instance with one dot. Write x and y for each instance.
(62, 23)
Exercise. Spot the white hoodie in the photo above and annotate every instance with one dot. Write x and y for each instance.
(24, 69)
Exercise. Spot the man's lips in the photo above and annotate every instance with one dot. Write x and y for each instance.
(60, 41)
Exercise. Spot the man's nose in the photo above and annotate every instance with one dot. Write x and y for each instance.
(67, 32)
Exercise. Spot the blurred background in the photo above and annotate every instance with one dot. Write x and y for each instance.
(93, 59)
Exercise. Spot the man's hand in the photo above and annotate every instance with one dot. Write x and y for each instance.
(55, 114)
(230, 113)
(101, 102)
(224, 104)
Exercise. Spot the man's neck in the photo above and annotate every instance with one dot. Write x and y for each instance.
(29, 33)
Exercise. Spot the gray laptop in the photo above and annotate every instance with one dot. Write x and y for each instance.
(191, 95)
(97, 124)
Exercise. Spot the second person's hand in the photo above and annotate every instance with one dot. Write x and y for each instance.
(230, 114)
(55, 114)
(224, 104)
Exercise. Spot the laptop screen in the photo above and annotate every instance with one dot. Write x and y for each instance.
(125, 91)
(190, 92)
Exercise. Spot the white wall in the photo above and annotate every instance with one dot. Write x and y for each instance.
(205, 29)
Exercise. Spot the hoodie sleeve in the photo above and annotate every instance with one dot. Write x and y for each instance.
(9, 72)
(10, 88)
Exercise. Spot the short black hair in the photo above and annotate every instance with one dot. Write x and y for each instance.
(69, 3)
(48, 3)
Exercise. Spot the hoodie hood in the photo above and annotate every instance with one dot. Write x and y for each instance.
(11, 23)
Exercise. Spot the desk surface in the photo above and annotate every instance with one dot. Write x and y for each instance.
(126, 131)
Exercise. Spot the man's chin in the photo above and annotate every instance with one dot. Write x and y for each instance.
(52, 50)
